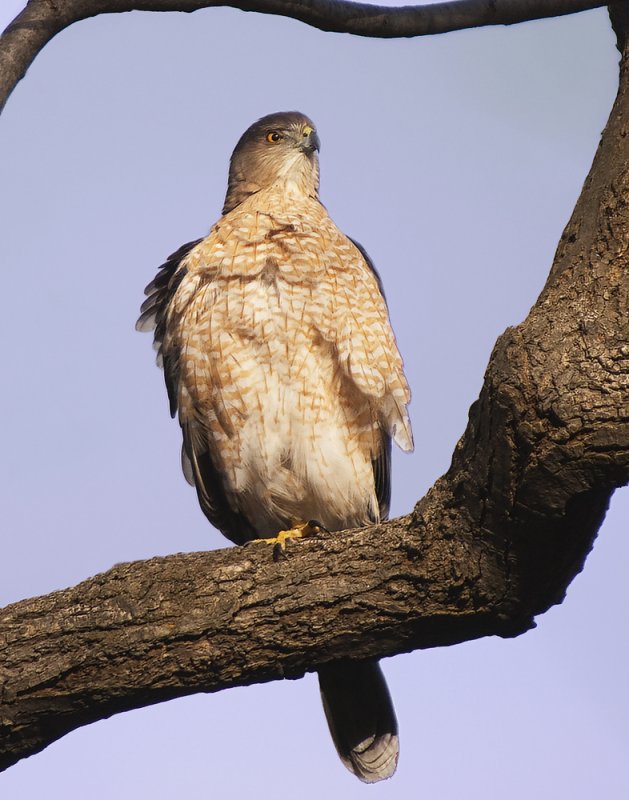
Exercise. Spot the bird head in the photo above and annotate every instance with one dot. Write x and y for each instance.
(279, 148)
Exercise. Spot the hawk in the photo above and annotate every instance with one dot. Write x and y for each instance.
(279, 358)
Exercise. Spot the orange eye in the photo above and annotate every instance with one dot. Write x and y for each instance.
(273, 137)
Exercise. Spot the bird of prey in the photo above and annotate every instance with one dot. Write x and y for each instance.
(279, 357)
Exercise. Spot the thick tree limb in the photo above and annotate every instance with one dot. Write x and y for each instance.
(495, 541)
(42, 19)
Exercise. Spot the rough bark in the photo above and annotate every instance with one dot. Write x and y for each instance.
(42, 19)
(496, 541)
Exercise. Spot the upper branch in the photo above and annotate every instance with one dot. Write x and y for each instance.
(41, 20)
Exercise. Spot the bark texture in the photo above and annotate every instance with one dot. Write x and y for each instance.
(42, 19)
(496, 541)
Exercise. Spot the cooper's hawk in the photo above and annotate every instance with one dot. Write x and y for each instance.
(278, 354)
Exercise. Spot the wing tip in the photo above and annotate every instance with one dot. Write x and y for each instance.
(145, 323)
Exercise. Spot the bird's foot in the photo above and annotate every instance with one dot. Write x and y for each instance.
(299, 530)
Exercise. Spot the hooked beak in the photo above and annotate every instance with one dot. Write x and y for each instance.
(310, 142)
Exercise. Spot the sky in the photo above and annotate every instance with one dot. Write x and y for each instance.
(456, 161)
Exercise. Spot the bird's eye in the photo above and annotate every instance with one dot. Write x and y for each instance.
(273, 137)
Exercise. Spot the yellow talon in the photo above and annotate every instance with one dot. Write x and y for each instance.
(300, 530)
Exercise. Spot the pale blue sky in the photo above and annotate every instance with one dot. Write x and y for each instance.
(456, 161)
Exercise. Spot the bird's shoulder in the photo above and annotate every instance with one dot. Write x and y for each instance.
(298, 235)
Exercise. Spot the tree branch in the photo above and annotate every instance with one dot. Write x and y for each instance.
(496, 540)
(41, 20)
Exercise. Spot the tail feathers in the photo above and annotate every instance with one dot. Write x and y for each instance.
(361, 718)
